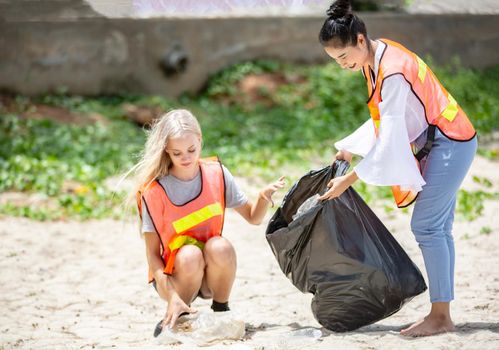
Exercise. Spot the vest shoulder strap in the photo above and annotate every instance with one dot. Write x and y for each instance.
(396, 60)
(152, 190)
(211, 159)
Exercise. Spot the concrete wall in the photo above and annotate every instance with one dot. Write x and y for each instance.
(95, 54)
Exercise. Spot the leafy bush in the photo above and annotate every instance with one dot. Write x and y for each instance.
(66, 162)
(287, 126)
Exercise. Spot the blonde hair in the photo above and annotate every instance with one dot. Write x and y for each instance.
(155, 162)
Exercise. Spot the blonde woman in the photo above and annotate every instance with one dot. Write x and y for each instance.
(182, 200)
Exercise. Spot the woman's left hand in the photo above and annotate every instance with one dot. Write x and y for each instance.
(338, 185)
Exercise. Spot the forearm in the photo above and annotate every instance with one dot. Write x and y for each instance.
(164, 287)
(258, 210)
(351, 177)
(255, 212)
(163, 283)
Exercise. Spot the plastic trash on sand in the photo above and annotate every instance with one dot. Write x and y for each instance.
(342, 253)
(204, 329)
(298, 339)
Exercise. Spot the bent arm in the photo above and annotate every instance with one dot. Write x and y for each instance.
(254, 212)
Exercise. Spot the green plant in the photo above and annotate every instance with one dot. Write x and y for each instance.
(492, 154)
(470, 203)
(482, 181)
(485, 230)
(285, 128)
(67, 163)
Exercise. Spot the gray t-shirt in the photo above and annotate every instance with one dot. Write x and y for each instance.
(180, 192)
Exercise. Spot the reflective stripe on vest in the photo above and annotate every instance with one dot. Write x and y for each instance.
(199, 216)
(191, 223)
(174, 246)
(450, 112)
(441, 109)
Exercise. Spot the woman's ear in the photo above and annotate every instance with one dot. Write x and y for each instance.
(361, 39)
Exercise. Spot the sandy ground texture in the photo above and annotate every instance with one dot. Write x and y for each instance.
(72, 285)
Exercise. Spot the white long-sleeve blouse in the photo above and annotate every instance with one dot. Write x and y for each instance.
(388, 159)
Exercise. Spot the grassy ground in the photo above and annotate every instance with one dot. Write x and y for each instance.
(262, 119)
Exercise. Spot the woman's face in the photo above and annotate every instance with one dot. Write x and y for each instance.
(184, 150)
(350, 57)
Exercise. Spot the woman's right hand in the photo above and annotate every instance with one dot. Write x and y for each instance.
(343, 155)
(176, 307)
(268, 191)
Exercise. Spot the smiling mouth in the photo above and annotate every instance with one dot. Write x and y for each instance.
(353, 66)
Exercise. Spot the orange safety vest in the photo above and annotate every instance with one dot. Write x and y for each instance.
(440, 108)
(194, 222)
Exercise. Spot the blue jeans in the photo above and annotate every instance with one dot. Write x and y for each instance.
(443, 170)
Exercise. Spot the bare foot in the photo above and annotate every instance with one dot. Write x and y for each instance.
(429, 326)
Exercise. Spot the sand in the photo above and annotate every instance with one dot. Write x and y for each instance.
(82, 285)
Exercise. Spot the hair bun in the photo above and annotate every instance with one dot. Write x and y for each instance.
(339, 9)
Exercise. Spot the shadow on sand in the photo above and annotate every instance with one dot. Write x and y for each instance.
(462, 328)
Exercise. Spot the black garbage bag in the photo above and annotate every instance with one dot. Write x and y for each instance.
(342, 253)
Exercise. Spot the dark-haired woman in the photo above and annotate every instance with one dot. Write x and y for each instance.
(410, 111)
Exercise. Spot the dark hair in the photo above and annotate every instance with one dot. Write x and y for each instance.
(342, 26)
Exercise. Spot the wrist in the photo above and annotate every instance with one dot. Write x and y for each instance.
(159, 276)
(266, 200)
(261, 196)
(164, 286)
(352, 177)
